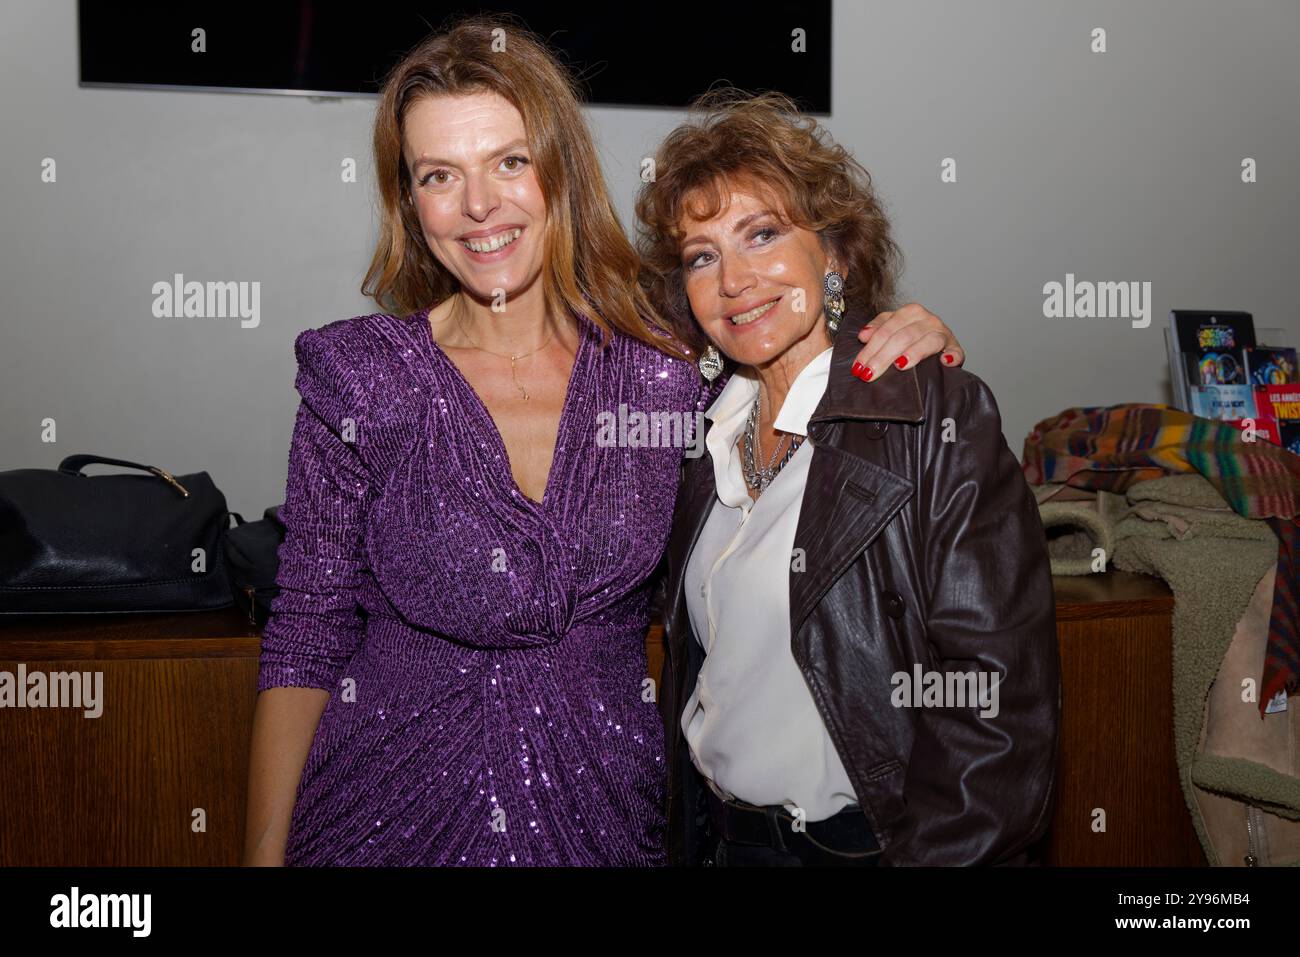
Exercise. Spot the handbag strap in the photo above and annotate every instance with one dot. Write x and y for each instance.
(73, 465)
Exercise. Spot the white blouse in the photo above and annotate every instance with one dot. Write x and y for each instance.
(751, 724)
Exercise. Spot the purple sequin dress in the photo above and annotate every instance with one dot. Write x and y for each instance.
(484, 653)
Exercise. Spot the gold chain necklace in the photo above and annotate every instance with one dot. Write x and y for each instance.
(512, 357)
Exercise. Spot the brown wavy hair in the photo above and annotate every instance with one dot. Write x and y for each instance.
(761, 141)
(589, 265)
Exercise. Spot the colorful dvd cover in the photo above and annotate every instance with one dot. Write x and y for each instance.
(1213, 345)
(1269, 365)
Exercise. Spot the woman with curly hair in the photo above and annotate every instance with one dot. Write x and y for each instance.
(861, 633)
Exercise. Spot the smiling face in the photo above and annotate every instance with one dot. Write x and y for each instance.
(477, 195)
(747, 275)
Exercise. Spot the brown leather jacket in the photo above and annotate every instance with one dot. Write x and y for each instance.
(919, 552)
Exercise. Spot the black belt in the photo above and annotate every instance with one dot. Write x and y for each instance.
(847, 834)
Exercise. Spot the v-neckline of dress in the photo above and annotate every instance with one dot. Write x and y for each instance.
(579, 357)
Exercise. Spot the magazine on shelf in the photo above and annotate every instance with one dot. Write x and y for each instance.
(1207, 362)
(1272, 373)
(1270, 365)
(1275, 406)
(1231, 403)
(1212, 345)
(1221, 367)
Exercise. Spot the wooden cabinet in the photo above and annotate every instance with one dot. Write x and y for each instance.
(159, 777)
(1115, 633)
(169, 748)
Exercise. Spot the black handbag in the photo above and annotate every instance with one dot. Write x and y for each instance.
(71, 543)
(253, 557)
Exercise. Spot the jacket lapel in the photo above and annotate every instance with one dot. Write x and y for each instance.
(847, 499)
(846, 502)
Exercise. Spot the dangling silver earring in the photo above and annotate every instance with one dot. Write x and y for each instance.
(710, 363)
(834, 288)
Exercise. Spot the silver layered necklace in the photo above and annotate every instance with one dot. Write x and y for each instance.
(760, 478)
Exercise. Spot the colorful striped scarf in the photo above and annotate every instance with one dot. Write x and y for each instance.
(1113, 447)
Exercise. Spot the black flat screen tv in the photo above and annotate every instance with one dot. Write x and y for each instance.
(661, 54)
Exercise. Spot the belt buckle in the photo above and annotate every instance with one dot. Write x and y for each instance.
(821, 845)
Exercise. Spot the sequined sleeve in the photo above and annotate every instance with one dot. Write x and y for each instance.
(315, 627)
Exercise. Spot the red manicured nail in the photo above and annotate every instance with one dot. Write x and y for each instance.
(948, 358)
(901, 362)
(862, 372)
(857, 368)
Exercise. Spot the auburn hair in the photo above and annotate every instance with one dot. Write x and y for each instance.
(590, 267)
(761, 143)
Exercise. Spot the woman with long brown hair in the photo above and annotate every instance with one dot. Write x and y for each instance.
(454, 670)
